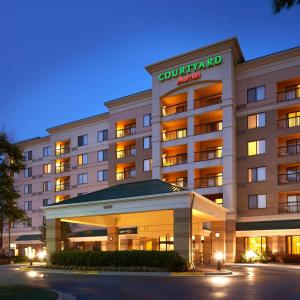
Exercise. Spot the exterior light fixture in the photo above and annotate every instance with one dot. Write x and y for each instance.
(219, 257)
(111, 238)
(41, 255)
(217, 234)
(30, 257)
(250, 255)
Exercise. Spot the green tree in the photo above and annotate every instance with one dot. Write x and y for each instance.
(11, 162)
(278, 5)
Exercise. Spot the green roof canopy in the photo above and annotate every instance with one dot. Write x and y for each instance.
(268, 225)
(29, 237)
(126, 190)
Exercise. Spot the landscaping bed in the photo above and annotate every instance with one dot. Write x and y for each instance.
(20, 292)
(134, 260)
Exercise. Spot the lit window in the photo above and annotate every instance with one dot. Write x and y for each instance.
(293, 245)
(82, 140)
(147, 165)
(257, 201)
(147, 142)
(256, 244)
(256, 147)
(256, 94)
(102, 175)
(82, 159)
(257, 174)
(147, 120)
(47, 168)
(294, 119)
(219, 201)
(257, 120)
(82, 178)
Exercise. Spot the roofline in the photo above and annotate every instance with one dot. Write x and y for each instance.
(51, 206)
(131, 97)
(33, 140)
(79, 122)
(167, 63)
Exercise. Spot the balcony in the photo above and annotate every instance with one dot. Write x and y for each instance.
(62, 168)
(126, 174)
(208, 127)
(210, 153)
(174, 134)
(208, 101)
(291, 93)
(289, 122)
(291, 177)
(289, 207)
(168, 110)
(289, 150)
(211, 180)
(126, 131)
(62, 150)
(62, 187)
(181, 182)
(173, 160)
(126, 152)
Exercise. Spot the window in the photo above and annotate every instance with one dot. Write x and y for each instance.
(27, 205)
(147, 142)
(27, 188)
(256, 147)
(257, 201)
(103, 155)
(293, 245)
(293, 119)
(46, 202)
(44, 220)
(82, 178)
(28, 222)
(147, 120)
(27, 172)
(82, 140)
(47, 168)
(46, 186)
(46, 151)
(102, 175)
(256, 94)
(82, 159)
(257, 120)
(28, 155)
(102, 135)
(147, 165)
(256, 244)
(257, 174)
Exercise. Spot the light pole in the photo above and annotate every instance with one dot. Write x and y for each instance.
(219, 258)
(30, 257)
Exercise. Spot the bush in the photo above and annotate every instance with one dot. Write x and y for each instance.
(156, 259)
(258, 258)
(291, 259)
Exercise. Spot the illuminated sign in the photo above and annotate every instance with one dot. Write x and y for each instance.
(190, 71)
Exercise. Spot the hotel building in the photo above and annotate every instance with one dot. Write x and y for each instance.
(206, 160)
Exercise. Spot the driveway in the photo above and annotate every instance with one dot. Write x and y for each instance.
(247, 282)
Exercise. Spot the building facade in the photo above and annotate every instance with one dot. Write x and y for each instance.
(212, 123)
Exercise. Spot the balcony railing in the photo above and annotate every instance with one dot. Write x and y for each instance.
(289, 207)
(289, 94)
(289, 122)
(182, 182)
(213, 180)
(174, 134)
(212, 153)
(174, 109)
(62, 187)
(208, 127)
(289, 178)
(173, 160)
(62, 168)
(289, 150)
(125, 131)
(126, 174)
(208, 100)
(62, 150)
(126, 153)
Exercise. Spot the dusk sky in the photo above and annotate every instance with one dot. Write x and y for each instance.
(61, 60)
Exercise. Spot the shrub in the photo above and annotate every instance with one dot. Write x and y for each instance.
(257, 258)
(167, 260)
(291, 259)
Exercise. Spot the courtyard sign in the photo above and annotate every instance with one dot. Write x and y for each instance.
(190, 71)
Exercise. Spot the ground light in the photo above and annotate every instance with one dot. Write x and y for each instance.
(219, 258)
(250, 255)
(41, 255)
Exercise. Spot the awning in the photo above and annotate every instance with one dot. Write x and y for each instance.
(29, 239)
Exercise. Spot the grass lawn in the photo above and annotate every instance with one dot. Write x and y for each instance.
(21, 292)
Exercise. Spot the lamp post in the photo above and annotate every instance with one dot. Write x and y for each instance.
(219, 258)
(30, 257)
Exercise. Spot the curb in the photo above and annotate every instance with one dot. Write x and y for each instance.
(218, 273)
(63, 296)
